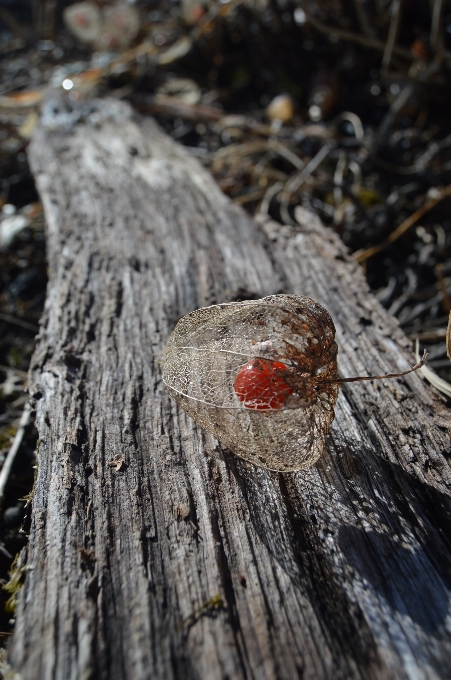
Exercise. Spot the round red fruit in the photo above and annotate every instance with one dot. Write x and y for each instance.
(260, 385)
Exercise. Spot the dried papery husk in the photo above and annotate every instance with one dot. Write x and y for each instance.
(210, 346)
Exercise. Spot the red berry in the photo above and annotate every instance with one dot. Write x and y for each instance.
(260, 385)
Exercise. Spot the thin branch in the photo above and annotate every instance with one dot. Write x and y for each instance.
(366, 41)
(392, 33)
(363, 255)
(359, 378)
(23, 374)
(174, 107)
(11, 456)
(18, 322)
(448, 338)
(363, 19)
(389, 118)
(269, 195)
(436, 24)
(294, 183)
(10, 21)
(442, 385)
(446, 301)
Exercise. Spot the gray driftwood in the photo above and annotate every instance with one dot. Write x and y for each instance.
(154, 553)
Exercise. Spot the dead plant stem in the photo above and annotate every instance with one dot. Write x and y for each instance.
(363, 255)
(11, 455)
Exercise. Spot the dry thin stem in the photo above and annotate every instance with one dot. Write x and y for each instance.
(19, 322)
(294, 183)
(363, 255)
(364, 22)
(12, 22)
(359, 378)
(448, 338)
(446, 301)
(435, 380)
(258, 146)
(427, 336)
(11, 456)
(242, 199)
(436, 37)
(269, 195)
(392, 33)
(389, 118)
(349, 36)
(172, 106)
(431, 151)
(24, 374)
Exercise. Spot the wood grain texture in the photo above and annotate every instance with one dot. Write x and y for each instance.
(154, 553)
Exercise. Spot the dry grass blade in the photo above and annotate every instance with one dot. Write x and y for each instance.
(363, 255)
(350, 36)
(420, 363)
(436, 24)
(294, 183)
(446, 301)
(448, 338)
(440, 384)
(11, 456)
(236, 151)
(392, 33)
(172, 106)
(19, 322)
(269, 195)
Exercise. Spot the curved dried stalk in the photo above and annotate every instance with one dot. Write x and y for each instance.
(435, 380)
(364, 21)
(448, 338)
(436, 24)
(269, 195)
(350, 36)
(11, 455)
(238, 151)
(294, 183)
(392, 33)
(363, 255)
(418, 365)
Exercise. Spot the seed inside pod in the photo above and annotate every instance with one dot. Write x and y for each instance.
(260, 385)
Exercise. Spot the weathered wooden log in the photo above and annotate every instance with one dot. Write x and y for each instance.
(155, 553)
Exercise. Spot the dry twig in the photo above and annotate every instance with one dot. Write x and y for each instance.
(448, 338)
(19, 322)
(392, 33)
(440, 384)
(11, 456)
(363, 255)
(350, 36)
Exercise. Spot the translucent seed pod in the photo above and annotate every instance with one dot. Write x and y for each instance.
(255, 374)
